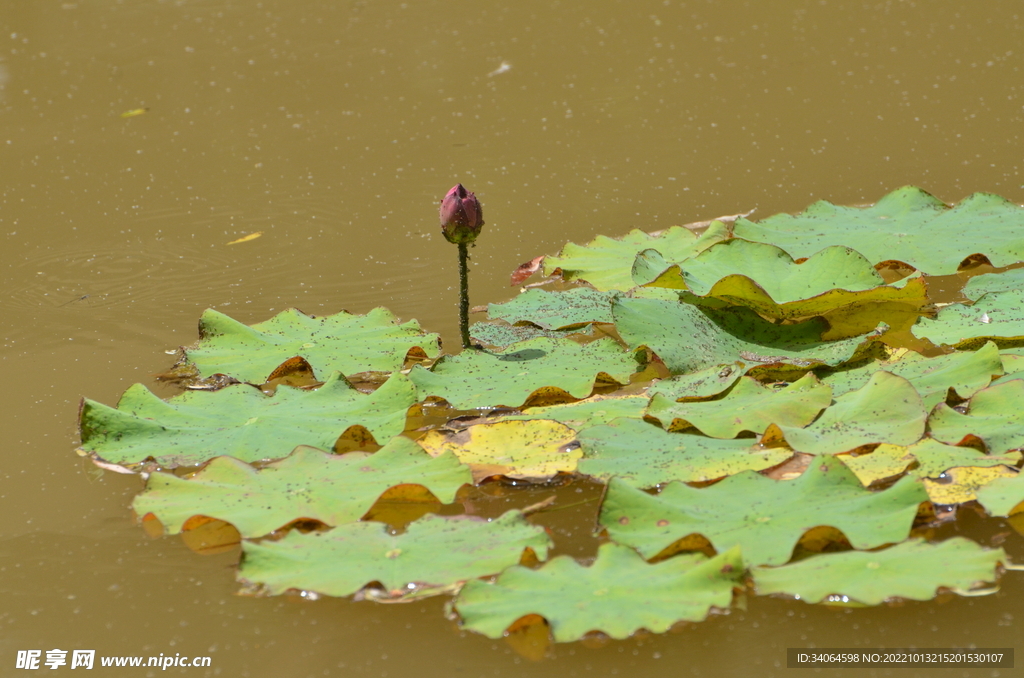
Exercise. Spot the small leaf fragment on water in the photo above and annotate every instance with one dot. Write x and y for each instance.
(524, 271)
(247, 238)
(134, 112)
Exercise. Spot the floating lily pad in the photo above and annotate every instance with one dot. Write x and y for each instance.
(932, 457)
(776, 273)
(606, 263)
(1013, 362)
(502, 336)
(995, 414)
(491, 379)
(434, 552)
(618, 595)
(644, 455)
(914, 570)
(515, 449)
(1007, 281)
(967, 371)
(556, 310)
(961, 485)
(307, 484)
(342, 342)
(908, 225)
(704, 383)
(997, 316)
(593, 411)
(749, 406)
(885, 410)
(239, 421)
(766, 279)
(1003, 496)
(688, 338)
(765, 517)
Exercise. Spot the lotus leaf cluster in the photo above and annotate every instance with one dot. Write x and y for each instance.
(778, 407)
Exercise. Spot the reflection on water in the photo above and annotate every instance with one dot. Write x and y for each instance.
(335, 128)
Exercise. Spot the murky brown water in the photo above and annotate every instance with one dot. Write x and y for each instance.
(334, 128)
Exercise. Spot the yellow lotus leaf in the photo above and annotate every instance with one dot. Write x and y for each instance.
(885, 461)
(932, 457)
(534, 449)
(960, 485)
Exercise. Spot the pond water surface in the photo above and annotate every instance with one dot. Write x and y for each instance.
(139, 138)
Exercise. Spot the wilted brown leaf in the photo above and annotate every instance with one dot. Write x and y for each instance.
(524, 271)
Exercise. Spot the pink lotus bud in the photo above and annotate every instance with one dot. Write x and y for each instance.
(461, 216)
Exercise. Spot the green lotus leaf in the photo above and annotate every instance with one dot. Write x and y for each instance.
(765, 517)
(1007, 281)
(593, 411)
(307, 484)
(239, 421)
(935, 458)
(1003, 496)
(967, 371)
(502, 336)
(997, 316)
(556, 310)
(885, 410)
(1013, 363)
(777, 274)
(644, 455)
(766, 279)
(652, 269)
(704, 383)
(913, 570)
(342, 342)
(908, 225)
(932, 457)
(995, 414)
(748, 406)
(434, 552)
(491, 379)
(606, 263)
(618, 595)
(689, 338)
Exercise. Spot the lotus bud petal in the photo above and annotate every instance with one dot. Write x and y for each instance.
(461, 216)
